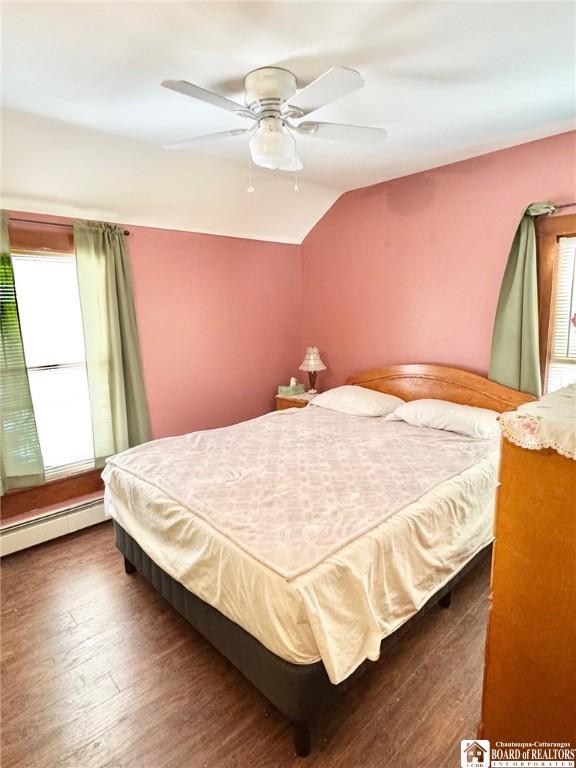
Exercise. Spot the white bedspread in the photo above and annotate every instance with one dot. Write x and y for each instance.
(317, 532)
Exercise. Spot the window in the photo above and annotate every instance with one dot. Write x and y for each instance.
(557, 299)
(52, 334)
(562, 354)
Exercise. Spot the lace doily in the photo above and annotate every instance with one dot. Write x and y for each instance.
(546, 423)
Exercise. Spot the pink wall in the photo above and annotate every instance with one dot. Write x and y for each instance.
(219, 325)
(405, 271)
(410, 270)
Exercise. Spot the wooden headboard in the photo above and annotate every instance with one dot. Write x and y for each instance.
(414, 382)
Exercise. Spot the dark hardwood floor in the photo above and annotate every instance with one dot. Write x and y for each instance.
(98, 672)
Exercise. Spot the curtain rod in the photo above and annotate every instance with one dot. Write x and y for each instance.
(53, 224)
(565, 205)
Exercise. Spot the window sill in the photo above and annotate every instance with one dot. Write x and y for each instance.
(33, 500)
(52, 509)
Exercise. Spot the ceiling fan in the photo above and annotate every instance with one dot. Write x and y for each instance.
(272, 102)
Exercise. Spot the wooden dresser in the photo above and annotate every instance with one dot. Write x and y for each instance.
(530, 673)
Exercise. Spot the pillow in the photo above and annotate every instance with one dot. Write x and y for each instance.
(452, 417)
(357, 401)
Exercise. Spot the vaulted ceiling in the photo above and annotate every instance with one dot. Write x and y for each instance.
(84, 116)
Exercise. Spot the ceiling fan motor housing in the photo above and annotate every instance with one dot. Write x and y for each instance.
(268, 88)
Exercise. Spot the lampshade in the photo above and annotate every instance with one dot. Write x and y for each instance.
(312, 360)
(273, 147)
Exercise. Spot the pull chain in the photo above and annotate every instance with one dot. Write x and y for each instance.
(250, 188)
(296, 187)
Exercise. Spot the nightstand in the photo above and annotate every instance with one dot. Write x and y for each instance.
(293, 401)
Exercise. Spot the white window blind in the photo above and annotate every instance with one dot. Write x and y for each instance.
(52, 334)
(562, 355)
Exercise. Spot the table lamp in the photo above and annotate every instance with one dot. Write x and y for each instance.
(312, 363)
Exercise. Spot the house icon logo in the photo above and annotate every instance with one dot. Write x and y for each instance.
(475, 754)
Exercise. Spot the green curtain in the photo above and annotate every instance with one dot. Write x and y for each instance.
(117, 396)
(515, 357)
(21, 461)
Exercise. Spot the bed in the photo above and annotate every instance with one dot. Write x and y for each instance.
(301, 542)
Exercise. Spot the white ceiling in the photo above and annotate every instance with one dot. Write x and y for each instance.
(84, 116)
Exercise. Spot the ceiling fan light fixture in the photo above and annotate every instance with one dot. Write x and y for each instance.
(272, 101)
(272, 146)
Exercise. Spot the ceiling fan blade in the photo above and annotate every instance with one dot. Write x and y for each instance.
(338, 132)
(332, 85)
(188, 143)
(195, 92)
